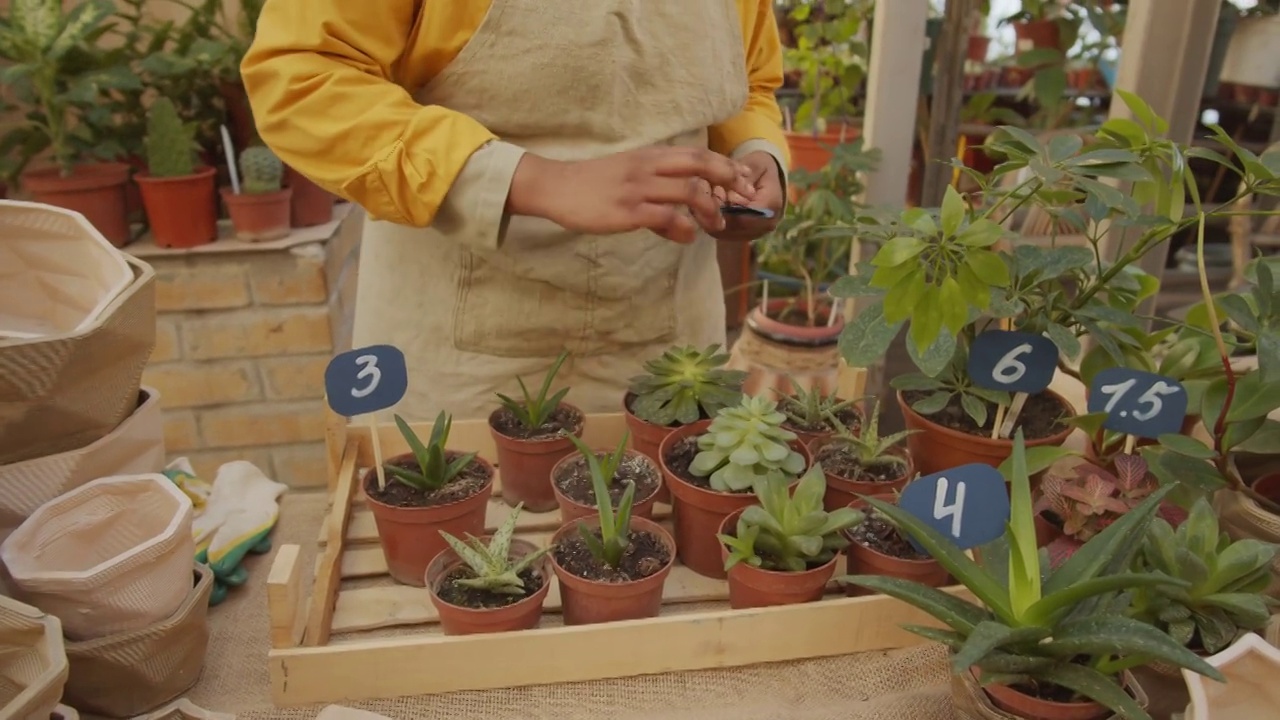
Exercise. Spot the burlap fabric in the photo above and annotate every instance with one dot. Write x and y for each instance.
(902, 685)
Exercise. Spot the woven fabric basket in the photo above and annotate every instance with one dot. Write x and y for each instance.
(33, 662)
(135, 672)
(111, 556)
(971, 701)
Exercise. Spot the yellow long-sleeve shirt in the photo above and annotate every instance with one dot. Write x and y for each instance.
(312, 56)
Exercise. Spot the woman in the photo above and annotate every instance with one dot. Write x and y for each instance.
(538, 174)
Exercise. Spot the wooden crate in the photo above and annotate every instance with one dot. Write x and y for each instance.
(332, 640)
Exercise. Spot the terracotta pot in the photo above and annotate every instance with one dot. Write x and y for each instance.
(95, 190)
(1012, 76)
(410, 536)
(842, 491)
(311, 204)
(697, 512)
(182, 211)
(807, 438)
(1032, 708)
(978, 46)
(571, 509)
(862, 560)
(527, 465)
(753, 587)
(1083, 79)
(761, 322)
(939, 448)
(586, 602)
(1037, 34)
(813, 153)
(645, 439)
(239, 115)
(132, 192)
(523, 614)
(1268, 486)
(259, 218)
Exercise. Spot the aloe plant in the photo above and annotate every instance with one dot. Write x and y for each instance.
(492, 564)
(869, 447)
(1067, 627)
(535, 411)
(615, 527)
(434, 470)
(813, 409)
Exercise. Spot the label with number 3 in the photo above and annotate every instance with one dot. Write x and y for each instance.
(1138, 403)
(1011, 361)
(366, 380)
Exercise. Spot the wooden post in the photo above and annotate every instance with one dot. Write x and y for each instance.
(948, 96)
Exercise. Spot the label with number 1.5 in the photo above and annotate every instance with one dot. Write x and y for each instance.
(366, 380)
(1137, 402)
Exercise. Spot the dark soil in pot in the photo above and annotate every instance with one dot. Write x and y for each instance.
(564, 419)
(396, 494)
(1041, 416)
(839, 460)
(577, 496)
(876, 533)
(849, 417)
(471, 611)
(527, 456)
(645, 555)
(876, 547)
(593, 592)
(476, 599)
(848, 477)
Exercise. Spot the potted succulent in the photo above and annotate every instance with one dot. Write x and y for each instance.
(863, 464)
(1043, 643)
(495, 587)
(532, 436)
(180, 199)
(809, 413)
(683, 386)
(613, 566)
(878, 547)
(57, 70)
(574, 486)
(260, 211)
(711, 469)
(429, 490)
(783, 551)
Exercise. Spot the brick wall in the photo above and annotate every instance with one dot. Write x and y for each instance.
(241, 345)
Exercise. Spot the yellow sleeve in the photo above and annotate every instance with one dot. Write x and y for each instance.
(761, 119)
(319, 79)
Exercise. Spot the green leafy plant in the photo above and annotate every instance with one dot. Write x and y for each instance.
(170, 142)
(1226, 580)
(434, 470)
(492, 566)
(615, 526)
(535, 411)
(813, 409)
(685, 385)
(789, 532)
(261, 172)
(830, 58)
(1065, 627)
(746, 445)
(869, 447)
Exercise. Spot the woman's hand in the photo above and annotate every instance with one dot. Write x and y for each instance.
(767, 183)
(646, 189)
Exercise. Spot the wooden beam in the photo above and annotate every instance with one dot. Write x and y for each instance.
(284, 598)
(329, 570)
(948, 96)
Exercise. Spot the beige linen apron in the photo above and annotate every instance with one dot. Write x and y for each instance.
(569, 80)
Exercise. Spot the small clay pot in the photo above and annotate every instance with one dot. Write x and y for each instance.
(311, 204)
(571, 509)
(1037, 34)
(259, 217)
(182, 211)
(95, 190)
(410, 536)
(645, 439)
(842, 491)
(586, 602)
(523, 614)
(527, 465)
(862, 560)
(1012, 76)
(752, 587)
(978, 46)
(760, 321)
(1025, 706)
(812, 153)
(937, 448)
(698, 512)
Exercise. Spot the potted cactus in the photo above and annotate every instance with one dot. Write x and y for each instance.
(809, 413)
(878, 547)
(612, 566)
(863, 464)
(179, 197)
(625, 469)
(711, 469)
(679, 388)
(260, 211)
(783, 551)
(430, 490)
(495, 587)
(533, 435)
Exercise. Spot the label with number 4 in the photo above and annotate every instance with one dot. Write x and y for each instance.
(1138, 403)
(1012, 361)
(968, 504)
(366, 380)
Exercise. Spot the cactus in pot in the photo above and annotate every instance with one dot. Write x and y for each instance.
(178, 196)
(169, 141)
(260, 211)
(260, 170)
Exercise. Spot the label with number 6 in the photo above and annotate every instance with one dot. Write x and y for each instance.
(366, 380)
(969, 504)
(1012, 361)
(1138, 403)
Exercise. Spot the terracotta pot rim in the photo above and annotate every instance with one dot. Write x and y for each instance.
(732, 519)
(202, 172)
(853, 130)
(447, 561)
(1048, 704)
(626, 410)
(370, 478)
(543, 445)
(631, 587)
(758, 315)
(281, 195)
(84, 176)
(856, 546)
(1055, 439)
(636, 502)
